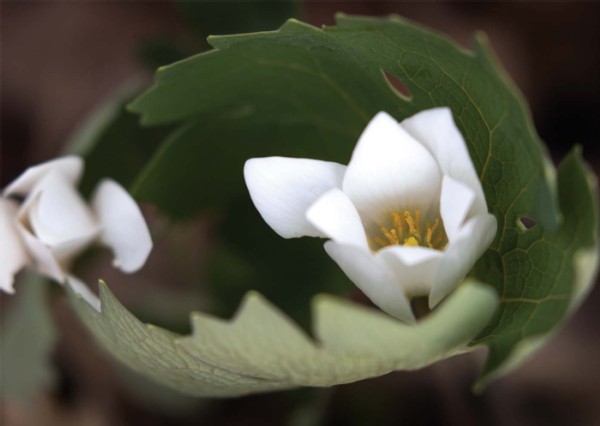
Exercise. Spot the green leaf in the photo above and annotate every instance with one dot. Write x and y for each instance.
(544, 275)
(27, 337)
(302, 91)
(113, 143)
(249, 255)
(262, 259)
(260, 349)
(214, 150)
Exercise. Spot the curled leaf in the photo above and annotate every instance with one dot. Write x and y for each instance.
(261, 349)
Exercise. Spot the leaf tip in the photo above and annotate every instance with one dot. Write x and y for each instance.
(253, 296)
(103, 291)
(340, 16)
(484, 51)
(293, 21)
(252, 301)
(482, 38)
(102, 286)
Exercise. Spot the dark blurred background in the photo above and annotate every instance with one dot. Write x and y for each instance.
(61, 59)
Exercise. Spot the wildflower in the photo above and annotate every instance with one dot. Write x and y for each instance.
(407, 217)
(44, 221)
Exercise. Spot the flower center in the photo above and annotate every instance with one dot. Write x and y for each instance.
(409, 229)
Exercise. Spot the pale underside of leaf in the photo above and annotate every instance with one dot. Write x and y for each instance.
(261, 349)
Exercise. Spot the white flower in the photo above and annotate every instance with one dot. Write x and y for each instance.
(45, 221)
(407, 217)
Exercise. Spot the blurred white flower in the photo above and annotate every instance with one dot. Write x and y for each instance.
(407, 217)
(44, 221)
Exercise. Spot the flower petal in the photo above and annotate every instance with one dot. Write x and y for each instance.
(14, 257)
(461, 254)
(283, 189)
(58, 215)
(390, 170)
(70, 167)
(80, 288)
(123, 227)
(335, 216)
(436, 130)
(415, 267)
(45, 261)
(411, 256)
(455, 202)
(373, 276)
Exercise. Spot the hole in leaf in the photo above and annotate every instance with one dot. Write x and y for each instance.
(525, 223)
(397, 86)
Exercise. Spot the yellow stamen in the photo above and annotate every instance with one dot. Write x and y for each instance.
(438, 240)
(408, 229)
(398, 223)
(430, 232)
(418, 221)
(390, 235)
(410, 220)
(380, 241)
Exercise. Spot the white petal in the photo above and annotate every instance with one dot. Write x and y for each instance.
(13, 256)
(283, 189)
(373, 276)
(123, 227)
(67, 250)
(455, 204)
(58, 215)
(45, 261)
(390, 171)
(80, 288)
(436, 130)
(411, 256)
(70, 167)
(461, 254)
(336, 217)
(415, 267)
